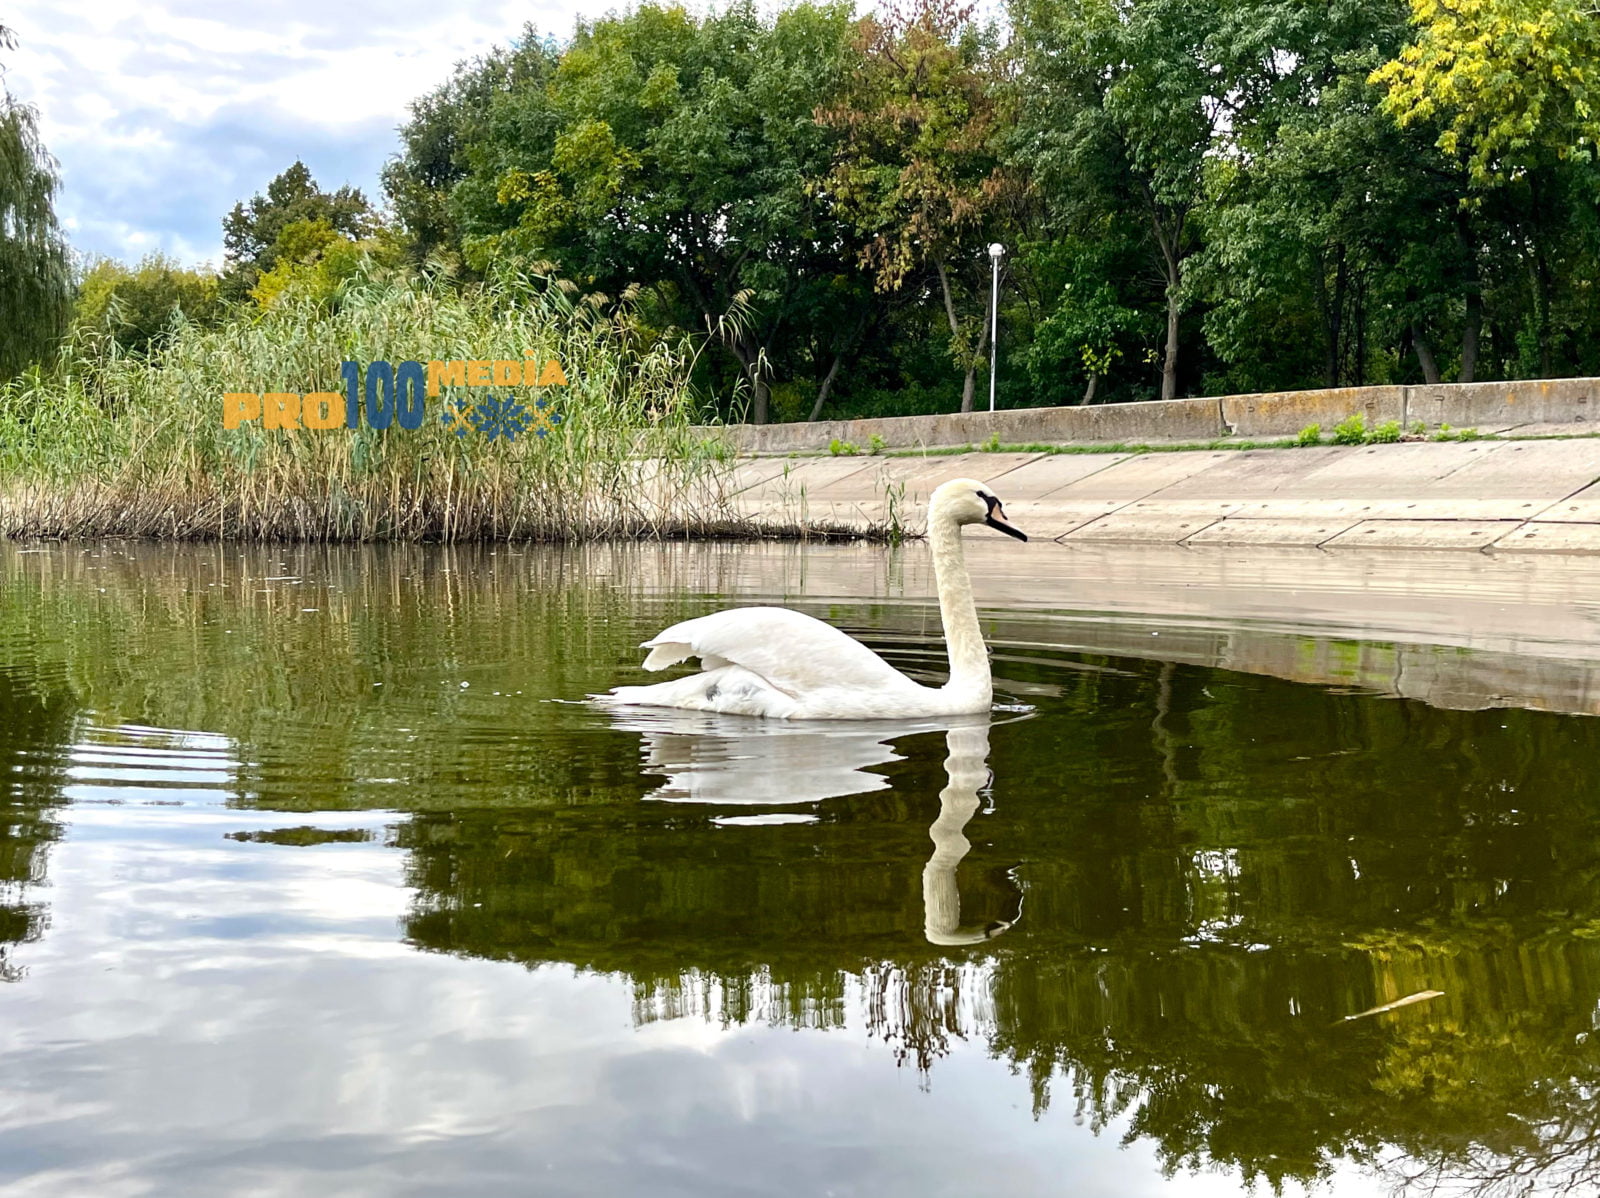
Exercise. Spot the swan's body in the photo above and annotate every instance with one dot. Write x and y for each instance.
(770, 661)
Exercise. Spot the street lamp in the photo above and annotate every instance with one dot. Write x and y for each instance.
(996, 252)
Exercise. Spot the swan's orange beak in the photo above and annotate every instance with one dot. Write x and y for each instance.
(997, 519)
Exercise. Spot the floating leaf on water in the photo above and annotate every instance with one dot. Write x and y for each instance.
(1419, 996)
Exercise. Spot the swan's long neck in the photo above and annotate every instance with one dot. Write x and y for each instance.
(969, 659)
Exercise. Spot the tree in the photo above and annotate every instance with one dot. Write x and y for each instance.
(311, 258)
(1331, 241)
(137, 306)
(1512, 90)
(664, 152)
(437, 141)
(35, 280)
(918, 171)
(1510, 83)
(250, 232)
(1122, 102)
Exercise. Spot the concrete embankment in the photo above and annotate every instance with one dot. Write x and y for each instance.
(1513, 496)
(1552, 405)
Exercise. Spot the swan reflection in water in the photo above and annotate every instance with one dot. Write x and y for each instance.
(732, 761)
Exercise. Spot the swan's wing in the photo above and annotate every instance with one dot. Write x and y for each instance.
(792, 651)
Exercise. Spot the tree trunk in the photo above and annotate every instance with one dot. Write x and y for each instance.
(1430, 368)
(1361, 329)
(1088, 392)
(1169, 366)
(827, 385)
(955, 332)
(1469, 333)
(845, 347)
(1543, 282)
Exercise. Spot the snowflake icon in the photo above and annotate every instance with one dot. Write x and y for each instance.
(496, 417)
(492, 416)
(545, 418)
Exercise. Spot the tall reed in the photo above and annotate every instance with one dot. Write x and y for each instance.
(105, 443)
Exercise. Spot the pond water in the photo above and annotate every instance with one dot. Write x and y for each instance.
(317, 877)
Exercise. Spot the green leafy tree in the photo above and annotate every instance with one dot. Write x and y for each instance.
(138, 306)
(311, 258)
(919, 172)
(663, 152)
(1509, 82)
(1510, 89)
(1123, 102)
(1331, 244)
(35, 280)
(250, 232)
(445, 126)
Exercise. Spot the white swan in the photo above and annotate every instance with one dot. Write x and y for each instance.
(770, 661)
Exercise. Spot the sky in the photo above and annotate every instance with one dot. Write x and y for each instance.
(165, 113)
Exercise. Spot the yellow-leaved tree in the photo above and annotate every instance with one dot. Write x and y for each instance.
(1509, 83)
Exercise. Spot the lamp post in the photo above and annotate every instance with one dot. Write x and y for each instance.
(996, 252)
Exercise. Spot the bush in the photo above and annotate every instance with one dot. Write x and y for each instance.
(1352, 430)
(1310, 435)
(1386, 433)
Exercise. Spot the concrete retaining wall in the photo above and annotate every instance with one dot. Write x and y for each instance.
(1487, 406)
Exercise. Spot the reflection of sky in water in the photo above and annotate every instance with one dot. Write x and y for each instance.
(208, 1015)
(211, 1015)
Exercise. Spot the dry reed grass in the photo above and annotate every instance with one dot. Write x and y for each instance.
(107, 444)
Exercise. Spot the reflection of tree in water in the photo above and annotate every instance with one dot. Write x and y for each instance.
(1218, 869)
(35, 730)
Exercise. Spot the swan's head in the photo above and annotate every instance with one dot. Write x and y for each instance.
(968, 502)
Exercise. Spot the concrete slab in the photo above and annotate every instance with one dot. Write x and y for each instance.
(1539, 430)
(1542, 536)
(1187, 509)
(1162, 528)
(868, 482)
(1254, 473)
(1581, 507)
(1523, 469)
(1049, 472)
(1421, 534)
(1348, 510)
(1236, 531)
(1049, 520)
(814, 474)
(1136, 477)
(753, 472)
(1391, 471)
(931, 471)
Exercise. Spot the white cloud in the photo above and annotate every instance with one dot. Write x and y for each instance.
(163, 116)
